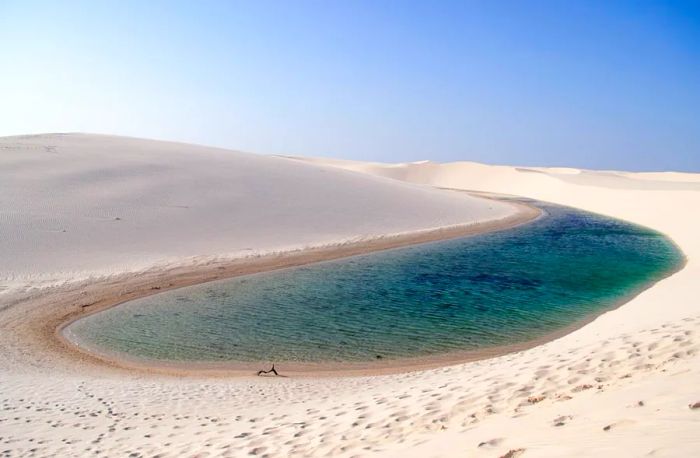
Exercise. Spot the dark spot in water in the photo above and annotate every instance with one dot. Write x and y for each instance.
(446, 305)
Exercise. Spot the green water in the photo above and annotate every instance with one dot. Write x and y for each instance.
(464, 294)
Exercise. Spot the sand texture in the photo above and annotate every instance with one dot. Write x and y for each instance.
(78, 206)
(624, 385)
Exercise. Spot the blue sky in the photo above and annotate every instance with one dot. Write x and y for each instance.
(595, 84)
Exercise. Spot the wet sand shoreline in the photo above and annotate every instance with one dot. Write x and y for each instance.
(323, 369)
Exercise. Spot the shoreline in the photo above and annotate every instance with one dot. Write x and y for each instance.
(59, 307)
(347, 368)
(328, 368)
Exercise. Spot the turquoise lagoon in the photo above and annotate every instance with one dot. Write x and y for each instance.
(462, 294)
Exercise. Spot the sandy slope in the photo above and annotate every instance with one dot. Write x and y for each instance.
(76, 205)
(617, 387)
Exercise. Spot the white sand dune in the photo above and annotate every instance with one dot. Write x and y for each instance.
(620, 386)
(76, 205)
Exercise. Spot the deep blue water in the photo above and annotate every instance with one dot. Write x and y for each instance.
(463, 294)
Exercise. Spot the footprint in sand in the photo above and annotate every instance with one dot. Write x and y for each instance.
(619, 424)
(562, 420)
(491, 443)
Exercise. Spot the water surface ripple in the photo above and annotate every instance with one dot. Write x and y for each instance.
(463, 294)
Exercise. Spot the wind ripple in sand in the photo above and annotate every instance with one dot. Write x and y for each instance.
(351, 416)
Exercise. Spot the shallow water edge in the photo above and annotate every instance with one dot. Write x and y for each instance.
(187, 278)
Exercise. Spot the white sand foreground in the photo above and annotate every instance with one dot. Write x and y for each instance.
(620, 386)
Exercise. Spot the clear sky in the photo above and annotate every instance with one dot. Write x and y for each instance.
(595, 84)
